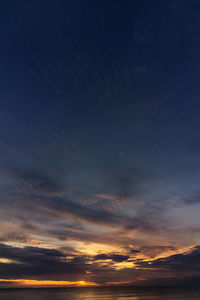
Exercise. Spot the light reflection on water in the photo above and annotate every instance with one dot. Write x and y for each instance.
(117, 293)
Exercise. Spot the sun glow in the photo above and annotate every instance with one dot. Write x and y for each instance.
(45, 283)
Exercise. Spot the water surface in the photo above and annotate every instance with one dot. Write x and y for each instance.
(116, 293)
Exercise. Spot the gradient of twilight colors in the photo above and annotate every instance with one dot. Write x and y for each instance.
(99, 142)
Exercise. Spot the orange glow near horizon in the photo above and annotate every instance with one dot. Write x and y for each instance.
(46, 283)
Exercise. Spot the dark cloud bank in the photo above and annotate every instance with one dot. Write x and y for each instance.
(48, 264)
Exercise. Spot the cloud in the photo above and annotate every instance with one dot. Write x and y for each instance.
(34, 262)
(112, 256)
(191, 199)
(122, 182)
(46, 197)
(53, 264)
(30, 182)
(152, 251)
(15, 236)
(185, 262)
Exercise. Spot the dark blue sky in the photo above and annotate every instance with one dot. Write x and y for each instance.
(99, 134)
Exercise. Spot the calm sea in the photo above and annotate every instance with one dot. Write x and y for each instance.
(117, 293)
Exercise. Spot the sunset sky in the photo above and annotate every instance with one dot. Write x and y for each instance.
(99, 142)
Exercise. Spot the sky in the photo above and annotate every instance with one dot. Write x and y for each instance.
(99, 142)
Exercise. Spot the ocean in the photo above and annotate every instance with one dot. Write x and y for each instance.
(102, 293)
